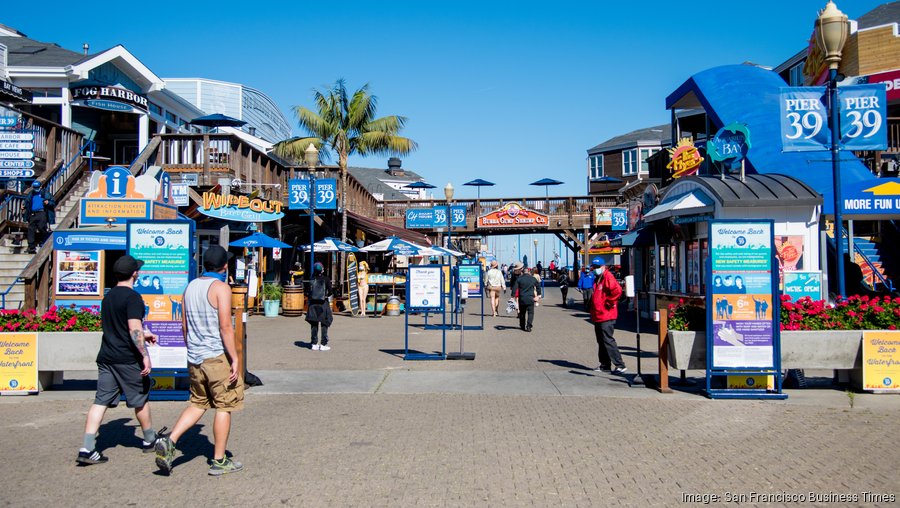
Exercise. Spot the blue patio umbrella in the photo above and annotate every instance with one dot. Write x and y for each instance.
(608, 179)
(479, 183)
(545, 183)
(420, 185)
(330, 244)
(259, 240)
(395, 245)
(217, 120)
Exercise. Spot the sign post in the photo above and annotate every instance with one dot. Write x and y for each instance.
(743, 339)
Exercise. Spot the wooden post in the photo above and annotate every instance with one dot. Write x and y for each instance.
(238, 311)
(664, 351)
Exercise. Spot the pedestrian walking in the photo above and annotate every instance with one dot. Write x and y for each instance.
(586, 286)
(604, 312)
(525, 289)
(123, 363)
(39, 214)
(495, 285)
(563, 280)
(213, 364)
(319, 315)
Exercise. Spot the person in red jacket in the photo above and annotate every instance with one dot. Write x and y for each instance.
(604, 312)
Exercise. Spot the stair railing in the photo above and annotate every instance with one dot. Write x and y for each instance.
(876, 274)
(6, 292)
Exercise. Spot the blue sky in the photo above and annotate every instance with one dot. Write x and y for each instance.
(506, 91)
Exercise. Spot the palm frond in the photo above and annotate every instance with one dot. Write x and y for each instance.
(294, 149)
(387, 124)
(314, 123)
(362, 109)
(379, 143)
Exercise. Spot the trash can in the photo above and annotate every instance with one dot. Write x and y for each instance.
(292, 300)
(393, 306)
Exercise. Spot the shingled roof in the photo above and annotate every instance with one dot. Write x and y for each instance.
(22, 51)
(884, 14)
(661, 134)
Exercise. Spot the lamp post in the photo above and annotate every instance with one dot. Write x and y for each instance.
(311, 155)
(535, 251)
(831, 34)
(448, 193)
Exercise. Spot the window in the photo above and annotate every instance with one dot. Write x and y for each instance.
(155, 109)
(645, 154)
(596, 165)
(629, 162)
(171, 118)
(796, 75)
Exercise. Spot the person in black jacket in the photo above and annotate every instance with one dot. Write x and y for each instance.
(319, 312)
(563, 280)
(39, 214)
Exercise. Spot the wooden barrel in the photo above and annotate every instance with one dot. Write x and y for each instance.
(292, 301)
(238, 296)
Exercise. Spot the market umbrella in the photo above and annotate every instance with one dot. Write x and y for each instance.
(434, 250)
(330, 244)
(546, 183)
(259, 240)
(396, 246)
(479, 183)
(217, 120)
(419, 185)
(608, 179)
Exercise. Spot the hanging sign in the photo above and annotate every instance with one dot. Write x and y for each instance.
(881, 361)
(615, 218)
(240, 208)
(686, 159)
(326, 194)
(804, 119)
(419, 218)
(863, 117)
(111, 98)
(18, 363)
(513, 215)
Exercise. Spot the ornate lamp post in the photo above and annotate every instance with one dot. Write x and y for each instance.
(311, 155)
(831, 34)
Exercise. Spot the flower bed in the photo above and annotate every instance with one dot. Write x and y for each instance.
(56, 319)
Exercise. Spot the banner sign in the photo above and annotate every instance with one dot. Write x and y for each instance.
(87, 241)
(14, 92)
(440, 216)
(881, 361)
(78, 273)
(165, 249)
(615, 218)
(740, 306)
(872, 197)
(471, 276)
(419, 218)
(800, 284)
(240, 208)
(804, 118)
(513, 215)
(425, 289)
(326, 194)
(109, 97)
(18, 363)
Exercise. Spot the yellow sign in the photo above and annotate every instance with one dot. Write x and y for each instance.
(881, 361)
(163, 383)
(686, 158)
(751, 382)
(18, 363)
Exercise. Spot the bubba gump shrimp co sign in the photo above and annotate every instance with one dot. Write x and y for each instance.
(513, 215)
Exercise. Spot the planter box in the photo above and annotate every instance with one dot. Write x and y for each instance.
(62, 351)
(833, 349)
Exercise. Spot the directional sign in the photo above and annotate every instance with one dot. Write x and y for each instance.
(16, 136)
(8, 121)
(16, 164)
(16, 173)
(16, 145)
(16, 155)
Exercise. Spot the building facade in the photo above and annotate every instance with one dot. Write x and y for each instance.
(622, 162)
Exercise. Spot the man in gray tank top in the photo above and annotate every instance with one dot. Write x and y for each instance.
(212, 363)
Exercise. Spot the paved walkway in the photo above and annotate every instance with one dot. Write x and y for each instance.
(528, 423)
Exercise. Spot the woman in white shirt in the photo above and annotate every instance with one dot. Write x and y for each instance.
(495, 284)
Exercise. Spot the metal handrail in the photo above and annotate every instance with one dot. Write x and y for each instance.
(19, 280)
(884, 281)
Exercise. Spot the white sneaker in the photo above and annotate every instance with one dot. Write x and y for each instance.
(315, 347)
(323, 347)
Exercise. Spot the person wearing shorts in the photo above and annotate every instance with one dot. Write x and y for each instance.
(213, 366)
(123, 363)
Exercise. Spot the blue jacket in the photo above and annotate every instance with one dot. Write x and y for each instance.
(586, 280)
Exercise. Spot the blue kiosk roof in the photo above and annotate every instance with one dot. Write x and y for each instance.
(750, 95)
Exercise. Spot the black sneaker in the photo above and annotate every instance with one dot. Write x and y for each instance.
(620, 370)
(601, 368)
(150, 448)
(91, 457)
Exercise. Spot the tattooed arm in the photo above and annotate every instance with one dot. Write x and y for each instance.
(136, 331)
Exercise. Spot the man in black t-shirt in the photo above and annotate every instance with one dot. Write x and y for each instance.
(525, 288)
(123, 363)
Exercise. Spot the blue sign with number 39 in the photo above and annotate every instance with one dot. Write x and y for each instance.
(326, 194)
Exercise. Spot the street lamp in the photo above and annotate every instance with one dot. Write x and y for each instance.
(831, 34)
(535, 252)
(311, 155)
(448, 193)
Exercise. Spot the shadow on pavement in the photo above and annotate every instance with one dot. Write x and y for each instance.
(632, 351)
(566, 364)
(502, 327)
(118, 432)
(192, 444)
(304, 345)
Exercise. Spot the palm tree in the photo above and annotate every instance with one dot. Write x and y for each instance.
(347, 125)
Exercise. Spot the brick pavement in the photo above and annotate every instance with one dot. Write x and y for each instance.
(407, 440)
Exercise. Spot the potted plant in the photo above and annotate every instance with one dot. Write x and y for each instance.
(271, 299)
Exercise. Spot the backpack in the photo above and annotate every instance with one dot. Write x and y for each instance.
(318, 290)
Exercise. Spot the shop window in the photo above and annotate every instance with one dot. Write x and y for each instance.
(155, 109)
(629, 162)
(171, 118)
